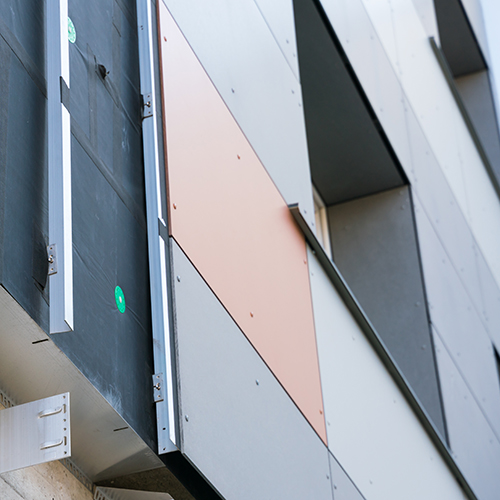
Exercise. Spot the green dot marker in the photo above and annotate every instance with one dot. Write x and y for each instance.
(120, 299)
(71, 31)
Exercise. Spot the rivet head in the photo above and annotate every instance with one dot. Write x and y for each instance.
(251, 314)
(175, 206)
(257, 382)
(239, 157)
(187, 418)
(178, 278)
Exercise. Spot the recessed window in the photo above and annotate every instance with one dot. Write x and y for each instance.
(321, 222)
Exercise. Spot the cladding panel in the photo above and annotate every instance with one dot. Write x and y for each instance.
(235, 416)
(240, 54)
(374, 245)
(475, 446)
(375, 436)
(456, 320)
(229, 218)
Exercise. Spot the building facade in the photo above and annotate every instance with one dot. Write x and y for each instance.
(249, 250)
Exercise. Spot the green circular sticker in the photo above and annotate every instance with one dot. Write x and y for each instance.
(120, 299)
(71, 31)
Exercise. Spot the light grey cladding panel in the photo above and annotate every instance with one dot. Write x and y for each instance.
(343, 487)
(240, 54)
(475, 90)
(375, 248)
(279, 17)
(491, 300)
(239, 427)
(431, 188)
(475, 447)
(427, 14)
(372, 430)
(457, 322)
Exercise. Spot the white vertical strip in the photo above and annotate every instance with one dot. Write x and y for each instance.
(156, 245)
(59, 156)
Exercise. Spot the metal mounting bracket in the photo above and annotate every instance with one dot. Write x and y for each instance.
(52, 258)
(158, 387)
(119, 494)
(35, 433)
(147, 104)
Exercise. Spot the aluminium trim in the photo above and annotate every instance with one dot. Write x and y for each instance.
(158, 254)
(378, 345)
(59, 167)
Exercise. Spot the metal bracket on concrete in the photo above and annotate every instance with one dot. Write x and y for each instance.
(119, 494)
(35, 433)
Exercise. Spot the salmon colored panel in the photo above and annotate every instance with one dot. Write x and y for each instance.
(232, 223)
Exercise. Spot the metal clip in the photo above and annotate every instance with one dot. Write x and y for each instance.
(147, 105)
(52, 258)
(158, 387)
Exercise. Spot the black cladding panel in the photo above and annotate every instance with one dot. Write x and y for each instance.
(348, 155)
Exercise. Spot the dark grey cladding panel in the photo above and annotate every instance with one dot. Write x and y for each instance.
(374, 245)
(23, 186)
(239, 427)
(458, 41)
(476, 92)
(343, 487)
(347, 152)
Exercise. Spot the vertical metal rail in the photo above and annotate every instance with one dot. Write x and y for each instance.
(157, 249)
(60, 250)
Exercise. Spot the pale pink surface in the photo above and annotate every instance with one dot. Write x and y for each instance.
(235, 227)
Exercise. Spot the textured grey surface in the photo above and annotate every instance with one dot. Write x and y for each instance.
(337, 118)
(239, 427)
(375, 247)
(475, 447)
(247, 66)
(476, 92)
(458, 40)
